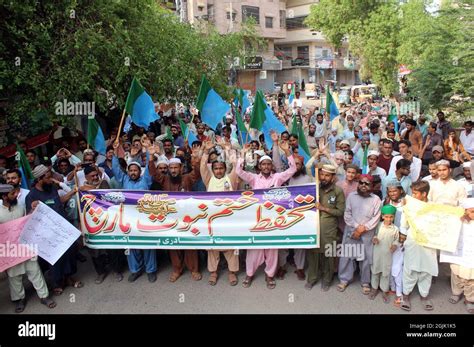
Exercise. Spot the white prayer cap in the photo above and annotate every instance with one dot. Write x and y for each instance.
(467, 203)
(265, 157)
(466, 164)
(345, 142)
(163, 161)
(365, 130)
(333, 129)
(260, 152)
(443, 162)
(376, 153)
(228, 116)
(175, 161)
(134, 163)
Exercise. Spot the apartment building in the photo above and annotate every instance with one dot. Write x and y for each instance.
(293, 52)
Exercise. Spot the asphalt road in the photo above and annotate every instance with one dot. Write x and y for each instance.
(187, 296)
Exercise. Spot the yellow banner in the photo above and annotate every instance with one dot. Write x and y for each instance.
(433, 225)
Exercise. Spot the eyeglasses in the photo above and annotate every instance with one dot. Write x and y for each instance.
(364, 183)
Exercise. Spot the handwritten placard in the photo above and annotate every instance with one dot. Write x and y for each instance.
(464, 253)
(12, 253)
(52, 234)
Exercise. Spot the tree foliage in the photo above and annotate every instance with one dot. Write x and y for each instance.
(438, 47)
(90, 50)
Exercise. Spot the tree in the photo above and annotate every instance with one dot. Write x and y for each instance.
(89, 51)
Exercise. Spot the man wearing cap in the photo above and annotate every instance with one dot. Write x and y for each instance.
(361, 216)
(266, 179)
(445, 190)
(137, 258)
(401, 175)
(331, 206)
(11, 210)
(466, 180)
(432, 140)
(45, 190)
(175, 181)
(413, 135)
(374, 170)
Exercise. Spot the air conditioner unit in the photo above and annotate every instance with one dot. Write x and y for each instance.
(263, 75)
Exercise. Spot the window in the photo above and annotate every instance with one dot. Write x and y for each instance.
(234, 15)
(251, 12)
(282, 19)
(295, 23)
(268, 22)
(210, 12)
(303, 56)
(284, 53)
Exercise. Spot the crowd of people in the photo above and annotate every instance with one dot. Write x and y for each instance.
(416, 155)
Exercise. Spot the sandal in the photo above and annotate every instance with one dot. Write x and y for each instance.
(385, 297)
(58, 291)
(247, 281)
(427, 304)
(48, 302)
(213, 279)
(366, 290)
(20, 305)
(196, 276)
(280, 275)
(74, 283)
(373, 293)
(341, 287)
(233, 280)
(174, 276)
(454, 299)
(405, 303)
(398, 301)
(271, 284)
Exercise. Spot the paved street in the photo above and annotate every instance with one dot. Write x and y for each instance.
(186, 296)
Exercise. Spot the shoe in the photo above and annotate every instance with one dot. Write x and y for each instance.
(325, 287)
(100, 278)
(300, 274)
(152, 277)
(308, 286)
(118, 277)
(133, 276)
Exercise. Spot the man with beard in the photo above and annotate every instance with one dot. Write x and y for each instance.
(466, 180)
(175, 181)
(413, 135)
(361, 216)
(216, 180)
(321, 126)
(137, 258)
(300, 177)
(10, 210)
(266, 179)
(201, 128)
(331, 206)
(406, 152)
(310, 138)
(100, 256)
(45, 190)
(14, 178)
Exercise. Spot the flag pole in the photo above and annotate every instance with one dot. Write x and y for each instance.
(120, 126)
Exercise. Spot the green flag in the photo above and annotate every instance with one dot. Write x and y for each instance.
(204, 89)
(258, 112)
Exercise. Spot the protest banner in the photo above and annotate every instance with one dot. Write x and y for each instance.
(11, 252)
(464, 252)
(50, 232)
(264, 218)
(433, 225)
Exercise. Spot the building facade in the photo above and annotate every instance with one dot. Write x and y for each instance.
(292, 53)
